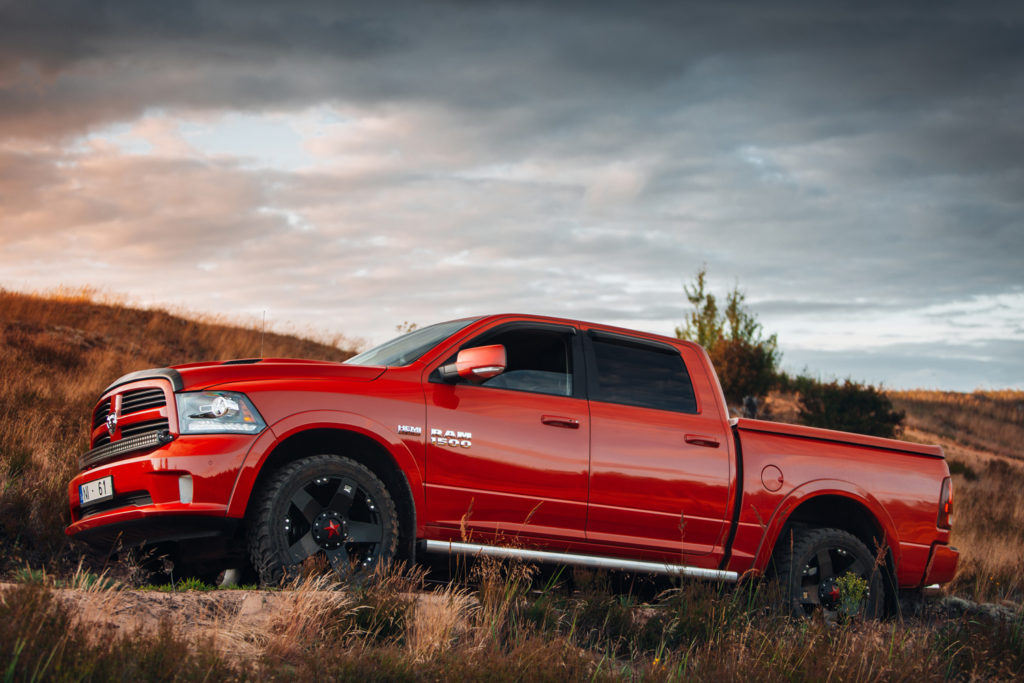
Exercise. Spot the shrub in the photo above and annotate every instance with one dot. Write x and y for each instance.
(847, 406)
(744, 369)
(745, 360)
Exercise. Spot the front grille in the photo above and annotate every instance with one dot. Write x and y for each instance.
(137, 428)
(100, 415)
(142, 423)
(142, 399)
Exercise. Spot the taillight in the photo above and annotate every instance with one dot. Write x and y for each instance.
(946, 504)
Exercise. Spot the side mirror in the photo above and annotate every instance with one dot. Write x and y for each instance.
(476, 364)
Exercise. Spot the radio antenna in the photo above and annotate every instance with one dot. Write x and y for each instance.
(263, 332)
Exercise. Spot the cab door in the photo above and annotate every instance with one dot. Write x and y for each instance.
(660, 461)
(507, 458)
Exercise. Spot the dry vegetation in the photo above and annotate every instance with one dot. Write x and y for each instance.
(982, 434)
(496, 621)
(57, 354)
(992, 421)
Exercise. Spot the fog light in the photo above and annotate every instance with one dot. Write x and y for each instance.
(185, 488)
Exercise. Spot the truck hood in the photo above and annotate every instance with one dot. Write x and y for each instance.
(203, 375)
(834, 436)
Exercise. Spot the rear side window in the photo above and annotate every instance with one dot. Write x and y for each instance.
(638, 374)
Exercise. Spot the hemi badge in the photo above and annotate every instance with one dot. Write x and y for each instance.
(407, 429)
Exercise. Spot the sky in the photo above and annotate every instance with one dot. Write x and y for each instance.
(856, 168)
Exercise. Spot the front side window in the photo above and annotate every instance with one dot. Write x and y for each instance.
(538, 360)
(638, 374)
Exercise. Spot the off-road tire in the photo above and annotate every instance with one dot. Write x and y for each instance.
(806, 589)
(325, 505)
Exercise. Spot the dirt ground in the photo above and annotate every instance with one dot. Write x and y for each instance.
(244, 622)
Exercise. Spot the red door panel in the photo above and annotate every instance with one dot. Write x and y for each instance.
(519, 475)
(649, 487)
(657, 478)
(508, 455)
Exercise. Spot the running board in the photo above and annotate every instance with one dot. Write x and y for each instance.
(455, 548)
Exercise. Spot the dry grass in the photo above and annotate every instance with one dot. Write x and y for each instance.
(57, 354)
(383, 631)
(988, 528)
(987, 420)
(981, 434)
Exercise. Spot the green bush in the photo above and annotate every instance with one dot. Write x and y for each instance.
(745, 360)
(847, 406)
(744, 369)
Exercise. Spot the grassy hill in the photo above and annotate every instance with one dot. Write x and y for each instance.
(58, 353)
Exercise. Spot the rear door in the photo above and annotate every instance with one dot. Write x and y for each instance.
(508, 457)
(660, 461)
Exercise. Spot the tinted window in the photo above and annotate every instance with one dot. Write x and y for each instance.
(643, 375)
(538, 360)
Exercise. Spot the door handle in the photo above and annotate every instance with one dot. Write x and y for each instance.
(700, 440)
(557, 421)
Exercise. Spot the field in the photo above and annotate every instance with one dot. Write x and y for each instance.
(67, 617)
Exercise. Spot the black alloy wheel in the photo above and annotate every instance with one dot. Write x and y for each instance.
(810, 567)
(323, 505)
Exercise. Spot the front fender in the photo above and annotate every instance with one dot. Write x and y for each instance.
(296, 423)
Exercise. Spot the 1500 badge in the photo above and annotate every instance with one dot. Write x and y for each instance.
(450, 437)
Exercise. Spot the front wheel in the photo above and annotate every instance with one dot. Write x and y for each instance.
(323, 505)
(815, 569)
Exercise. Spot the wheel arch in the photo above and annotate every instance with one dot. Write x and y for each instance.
(391, 462)
(837, 505)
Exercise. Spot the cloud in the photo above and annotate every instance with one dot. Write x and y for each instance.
(372, 163)
(951, 367)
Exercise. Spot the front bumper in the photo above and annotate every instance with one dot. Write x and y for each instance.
(130, 531)
(176, 492)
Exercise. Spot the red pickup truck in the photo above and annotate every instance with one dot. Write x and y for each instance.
(507, 435)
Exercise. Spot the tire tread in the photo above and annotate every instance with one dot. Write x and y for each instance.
(261, 542)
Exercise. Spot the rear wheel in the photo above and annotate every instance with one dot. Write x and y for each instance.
(812, 573)
(325, 505)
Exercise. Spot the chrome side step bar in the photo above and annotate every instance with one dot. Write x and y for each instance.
(593, 561)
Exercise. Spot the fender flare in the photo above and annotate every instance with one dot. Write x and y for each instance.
(283, 429)
(815, 489)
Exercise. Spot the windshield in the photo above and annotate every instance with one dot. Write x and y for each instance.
(409, 347)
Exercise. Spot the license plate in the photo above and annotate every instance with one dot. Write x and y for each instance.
(96, 491)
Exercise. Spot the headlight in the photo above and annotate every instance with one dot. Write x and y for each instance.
(217, 412)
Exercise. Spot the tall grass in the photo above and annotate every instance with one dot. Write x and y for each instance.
(498, 621)
(57, 354)
(987, 420)
(988, 528)
(382, 631)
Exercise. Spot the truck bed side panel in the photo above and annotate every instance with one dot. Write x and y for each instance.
(900, 490)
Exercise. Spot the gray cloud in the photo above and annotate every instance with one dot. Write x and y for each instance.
(952, 367)
(573, 158)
